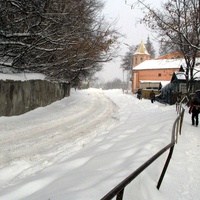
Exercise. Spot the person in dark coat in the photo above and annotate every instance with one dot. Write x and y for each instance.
(152, 96)
(139, 93)
(195, 109)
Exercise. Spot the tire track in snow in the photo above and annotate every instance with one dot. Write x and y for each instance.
(43, 143)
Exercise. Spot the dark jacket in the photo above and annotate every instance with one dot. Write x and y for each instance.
(194, 108)
(152, 95)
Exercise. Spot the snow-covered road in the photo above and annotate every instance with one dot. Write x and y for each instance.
(43, 138)
(84, 145)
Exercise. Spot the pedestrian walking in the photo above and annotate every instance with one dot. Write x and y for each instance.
(139, 93)
(152, 96)
(195, 109)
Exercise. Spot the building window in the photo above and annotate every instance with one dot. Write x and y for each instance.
(159, 75)
(183, 88)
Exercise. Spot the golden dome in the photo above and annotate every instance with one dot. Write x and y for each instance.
(141, 49)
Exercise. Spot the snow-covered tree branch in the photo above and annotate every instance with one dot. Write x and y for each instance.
(55, 37)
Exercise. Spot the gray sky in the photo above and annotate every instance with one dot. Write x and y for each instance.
(127, 19)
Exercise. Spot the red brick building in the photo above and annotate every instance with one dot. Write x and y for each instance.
(149, 74)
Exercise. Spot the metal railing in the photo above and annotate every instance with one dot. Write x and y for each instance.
(118, 191)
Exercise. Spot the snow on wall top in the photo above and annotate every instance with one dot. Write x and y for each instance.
(22, 76)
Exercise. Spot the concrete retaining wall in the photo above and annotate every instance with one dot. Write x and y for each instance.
(18, 97)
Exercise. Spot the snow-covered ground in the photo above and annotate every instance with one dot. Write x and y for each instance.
(79, 148)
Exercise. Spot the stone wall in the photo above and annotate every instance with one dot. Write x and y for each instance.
(18, 97)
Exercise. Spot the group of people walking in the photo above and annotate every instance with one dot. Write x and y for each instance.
(151, 96)
(194, 107)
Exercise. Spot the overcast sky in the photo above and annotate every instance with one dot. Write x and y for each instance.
(127, 19)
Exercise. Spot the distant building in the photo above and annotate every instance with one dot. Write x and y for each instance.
(177, 86)
(153, 74)
(167, 71)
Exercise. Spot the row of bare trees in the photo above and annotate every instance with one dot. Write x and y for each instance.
(177, 25)
(63, 39)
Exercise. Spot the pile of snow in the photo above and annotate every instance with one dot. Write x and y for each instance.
(84, 145)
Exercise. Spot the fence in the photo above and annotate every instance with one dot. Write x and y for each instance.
(118, 191)
(18, 97)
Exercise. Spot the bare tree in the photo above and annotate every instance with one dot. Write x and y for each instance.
(115, 84)
(167, 47)
(177, 24)
(127, 59)
(150, 48)
(64, 39)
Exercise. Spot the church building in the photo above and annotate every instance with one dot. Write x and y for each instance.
(149, 74)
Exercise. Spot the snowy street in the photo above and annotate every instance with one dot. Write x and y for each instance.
(48, 134)
(82, 146)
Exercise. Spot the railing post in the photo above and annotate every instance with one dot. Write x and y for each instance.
(177, 129)
(181, 121)
(120, 195)
(165, 167)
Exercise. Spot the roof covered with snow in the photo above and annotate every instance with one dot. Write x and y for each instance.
(160, 64)
(182, 76)
(163, 83)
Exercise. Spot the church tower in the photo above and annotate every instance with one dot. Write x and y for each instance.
(140, 55)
